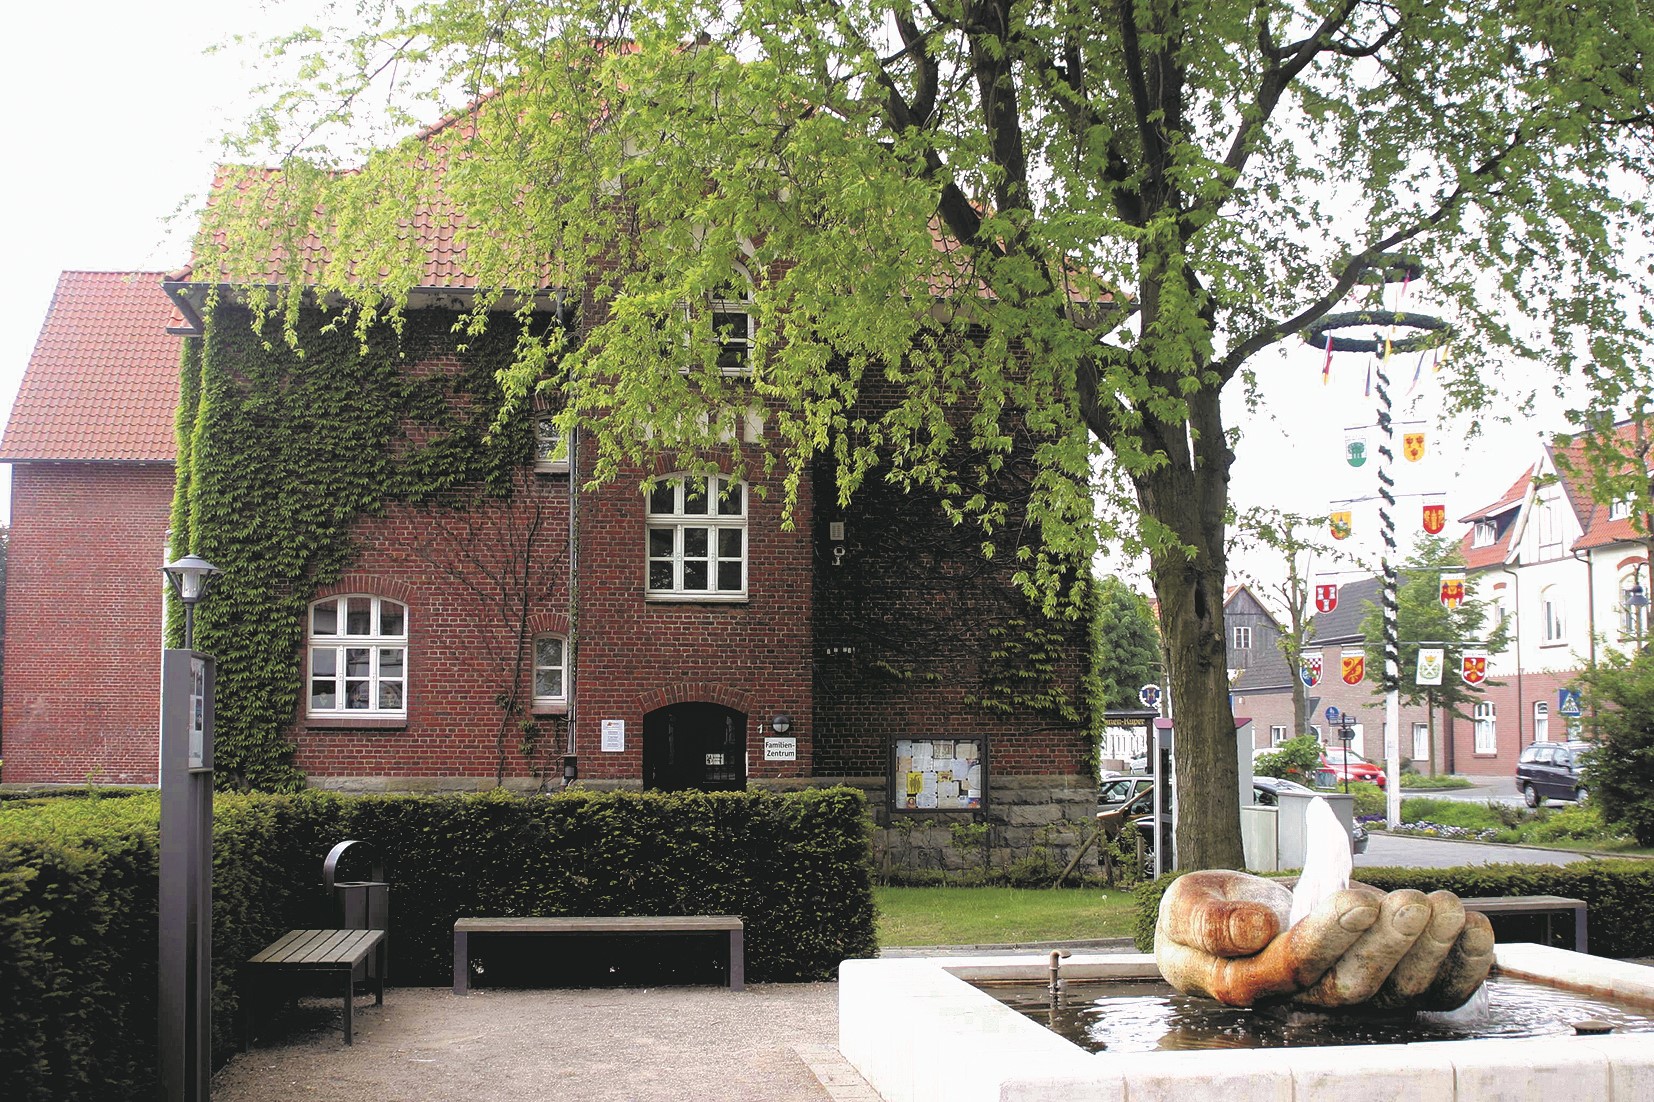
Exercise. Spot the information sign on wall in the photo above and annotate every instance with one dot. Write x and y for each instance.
(614, 736)
(780, 749)
(938, 774)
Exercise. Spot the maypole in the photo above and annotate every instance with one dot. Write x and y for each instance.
(1431, 332)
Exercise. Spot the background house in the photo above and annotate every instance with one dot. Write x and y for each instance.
(90, 443)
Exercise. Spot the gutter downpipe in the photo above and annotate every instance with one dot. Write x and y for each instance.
(1517, 602)
(1590, 604)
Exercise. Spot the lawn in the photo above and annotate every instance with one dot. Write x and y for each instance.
(997, 916)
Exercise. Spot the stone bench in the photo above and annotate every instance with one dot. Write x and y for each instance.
(1547, 905)
(311, 952)
(626, 925)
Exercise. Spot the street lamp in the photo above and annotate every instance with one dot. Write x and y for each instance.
(1636, 601)
(191, 577)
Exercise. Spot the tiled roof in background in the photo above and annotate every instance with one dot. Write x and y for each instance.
(102, 384)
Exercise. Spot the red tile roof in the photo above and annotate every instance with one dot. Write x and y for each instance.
(1574, 473)
(102, 384)
(1499, 550)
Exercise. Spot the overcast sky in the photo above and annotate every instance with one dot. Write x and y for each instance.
(116, 116)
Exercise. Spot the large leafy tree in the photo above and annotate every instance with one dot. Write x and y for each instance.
(1128, 642)
(1423, 621)
(1055, 227)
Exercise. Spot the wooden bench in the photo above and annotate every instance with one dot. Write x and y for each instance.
(309, 952)
(1547, 905)
(628, 925)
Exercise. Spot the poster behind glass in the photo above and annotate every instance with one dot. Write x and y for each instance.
(938, 774)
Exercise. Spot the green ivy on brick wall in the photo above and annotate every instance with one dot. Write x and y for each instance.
(281, 449)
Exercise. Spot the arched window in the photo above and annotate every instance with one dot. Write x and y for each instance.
(697, 539)
(1541, 721)
(358, 657)
(551, 670)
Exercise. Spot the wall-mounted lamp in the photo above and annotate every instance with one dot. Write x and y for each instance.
(1636, 596)
(571, 770)
(782, 723)
(190, 577)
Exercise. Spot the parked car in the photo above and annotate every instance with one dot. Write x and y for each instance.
(1267, 792)
(1345, 765)
(1115, 791)
(1551, 771)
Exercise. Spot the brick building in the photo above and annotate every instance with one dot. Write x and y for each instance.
(90, 443)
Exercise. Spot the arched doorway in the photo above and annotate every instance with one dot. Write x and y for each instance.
(695, 745)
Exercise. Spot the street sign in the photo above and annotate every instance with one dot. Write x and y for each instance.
(1150, 695)
(1332, 713)
(1568, 703)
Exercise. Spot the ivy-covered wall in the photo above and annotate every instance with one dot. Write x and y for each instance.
(282, 452)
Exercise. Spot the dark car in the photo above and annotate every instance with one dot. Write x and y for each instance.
(1551, 771)
(1266, 791)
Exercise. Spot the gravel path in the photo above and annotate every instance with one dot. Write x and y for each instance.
(771, 1042)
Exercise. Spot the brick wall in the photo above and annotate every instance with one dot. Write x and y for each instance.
(83, 615)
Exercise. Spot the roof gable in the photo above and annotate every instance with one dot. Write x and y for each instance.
(102, 384)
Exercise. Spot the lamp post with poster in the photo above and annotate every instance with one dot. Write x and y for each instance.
(184, 1008)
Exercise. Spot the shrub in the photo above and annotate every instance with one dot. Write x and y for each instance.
(1620, 769)
(1421, 782)
(78, 906)
(1296, 759)
(1369, 798)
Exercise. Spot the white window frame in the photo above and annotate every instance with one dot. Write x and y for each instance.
(1549, 525)
(725, 512)
(1486, 728)
(1554, 615)
(551, 449)
(1619, 508)
(741, 345)
(1541, 721)
(1243, 638)
(1421, 742)
(1484, 534)
(377, 642)
(1277, 734)
(561, 696)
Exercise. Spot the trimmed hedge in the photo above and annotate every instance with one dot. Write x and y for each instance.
(78, 905)
(1616, 893)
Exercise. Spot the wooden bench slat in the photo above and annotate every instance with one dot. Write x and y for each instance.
(620, 924)
(320, 951)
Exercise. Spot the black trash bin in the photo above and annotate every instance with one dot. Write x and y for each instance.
(359, 904)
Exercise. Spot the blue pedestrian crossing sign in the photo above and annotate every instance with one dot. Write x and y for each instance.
(1568, 703)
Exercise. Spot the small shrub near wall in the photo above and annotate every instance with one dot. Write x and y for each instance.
(1616, 894)
(78, 904)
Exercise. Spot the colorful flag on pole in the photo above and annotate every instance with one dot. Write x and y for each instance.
(1355, 668)
(1431, 661)
(1326, 597)
(1340, 523)
(1309, 668)
(1473, 668)
(1452, 594)
(1412, 446)
(1435, 518)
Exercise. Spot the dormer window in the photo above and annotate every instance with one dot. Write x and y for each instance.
(1619, 508)
(1484, 534)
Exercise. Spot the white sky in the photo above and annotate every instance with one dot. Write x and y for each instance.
(116, 116)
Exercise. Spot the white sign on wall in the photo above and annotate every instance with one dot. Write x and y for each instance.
(614, 736)
(780, 749)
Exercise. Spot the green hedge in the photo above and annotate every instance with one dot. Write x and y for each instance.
(1616, 894)
(78, 897)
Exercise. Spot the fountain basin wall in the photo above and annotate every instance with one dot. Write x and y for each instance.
(918, 1031)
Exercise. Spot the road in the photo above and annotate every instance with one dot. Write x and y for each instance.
(1435, 853)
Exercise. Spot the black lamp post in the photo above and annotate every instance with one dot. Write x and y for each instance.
(191, 577)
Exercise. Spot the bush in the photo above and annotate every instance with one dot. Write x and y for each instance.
(78, 897)
(1620, 769)
(1615, 893)
(1297, 759)
(1420, 782)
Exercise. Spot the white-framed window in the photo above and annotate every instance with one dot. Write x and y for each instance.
(1315, 729)
(1550, 605)
(697, 539)
(1541, 721)
(1277, 734)
(1484, 534)
(1550, 527)
(1486, 734)
(1619, 508)
(551, 450)
(1421, 742)
(731, 317)
(358, 657)
(551, 669)
(1243, 638)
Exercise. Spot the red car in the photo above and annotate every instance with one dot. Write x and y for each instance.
(1352, 767)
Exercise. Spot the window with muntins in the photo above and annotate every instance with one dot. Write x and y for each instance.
(1550, 602)
(1541, 721)
(551, 681)
(1243, 638)
(1484, 534)
(1277, 734)
(697, 539)
(1486, 736)
(551, 450)
(358, 658)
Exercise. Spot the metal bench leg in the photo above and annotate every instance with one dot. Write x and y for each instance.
(737, 962)
(462, 962)
(350, 1002)
(379, 975)
(1580, 943)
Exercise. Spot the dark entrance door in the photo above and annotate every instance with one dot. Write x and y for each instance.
(701, 746)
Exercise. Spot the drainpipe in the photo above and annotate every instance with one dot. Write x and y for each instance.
(1516, 579)
(571, 755)
(1590, 604)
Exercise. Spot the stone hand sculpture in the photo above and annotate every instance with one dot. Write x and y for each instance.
(1225, 935)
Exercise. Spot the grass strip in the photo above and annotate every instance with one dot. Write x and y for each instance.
(998, 916)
